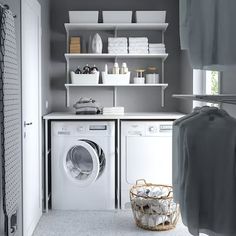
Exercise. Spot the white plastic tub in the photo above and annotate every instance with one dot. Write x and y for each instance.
(150, 16)
(117, 16)
(121, 79)
(84, 78)
(83, 16)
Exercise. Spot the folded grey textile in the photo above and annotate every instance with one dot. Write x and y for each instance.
(89, 104)
(85, 100)
(87, 110)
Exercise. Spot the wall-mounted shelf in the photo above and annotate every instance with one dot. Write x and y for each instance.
(68, 86)
(72, 28)
(69, 56)
(119, 26)
(221, 98)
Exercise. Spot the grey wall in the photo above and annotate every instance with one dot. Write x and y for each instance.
(186, 78)
(134, 99)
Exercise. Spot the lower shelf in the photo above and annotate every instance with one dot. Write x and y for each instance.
(161, 86)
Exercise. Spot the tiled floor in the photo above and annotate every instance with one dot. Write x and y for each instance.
(96, 223)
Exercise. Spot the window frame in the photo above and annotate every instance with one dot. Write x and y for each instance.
(199, 85)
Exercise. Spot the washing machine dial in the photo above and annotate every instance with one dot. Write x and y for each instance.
(80, 129)
(152, 129)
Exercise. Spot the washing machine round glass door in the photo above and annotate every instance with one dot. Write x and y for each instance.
(84, 162)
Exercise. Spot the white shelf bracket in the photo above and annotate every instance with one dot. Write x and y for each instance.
(163, 96)
(114, 96)
(115, 32)
(67, 97)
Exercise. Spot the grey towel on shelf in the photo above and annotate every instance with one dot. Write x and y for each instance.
(87, 111)
(87, 106)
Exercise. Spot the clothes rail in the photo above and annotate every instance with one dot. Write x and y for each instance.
(6, 6)
(221, 98)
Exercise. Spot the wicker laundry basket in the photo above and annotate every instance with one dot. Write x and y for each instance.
(153, 206)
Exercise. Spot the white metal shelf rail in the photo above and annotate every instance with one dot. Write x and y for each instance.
(221, 98)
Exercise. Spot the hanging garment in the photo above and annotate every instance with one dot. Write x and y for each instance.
(10, 115)
(208, 32)
(177, 152)
(206, 172)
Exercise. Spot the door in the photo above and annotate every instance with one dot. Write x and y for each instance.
(149, 158)
(31, 97)
(84, 163)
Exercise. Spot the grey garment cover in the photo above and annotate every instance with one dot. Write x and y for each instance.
(207, 199)
(177, 153)
(208, 32)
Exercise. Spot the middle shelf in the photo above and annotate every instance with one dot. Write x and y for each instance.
(116, 85)
(107, 55)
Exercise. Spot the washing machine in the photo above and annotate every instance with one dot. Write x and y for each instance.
(83, 165)
(146, 153)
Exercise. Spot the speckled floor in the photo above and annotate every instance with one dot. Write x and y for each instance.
(96, 223)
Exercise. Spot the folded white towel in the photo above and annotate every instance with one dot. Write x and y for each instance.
(113, 109)
(139, 53)
(117, 52)
(117, 40)
(138, 48)
(157, 49)
(117, 45)
(138, 39)
(156, 45)
(117, 48)
(138, 44)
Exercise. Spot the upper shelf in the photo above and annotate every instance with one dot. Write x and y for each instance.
(117, 26)
(221, 98)
(107, 55)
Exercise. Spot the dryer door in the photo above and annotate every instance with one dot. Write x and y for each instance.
(84, 163)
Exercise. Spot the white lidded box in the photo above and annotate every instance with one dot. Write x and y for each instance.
(83, 16)
(150, 16)
(116, 79)
(89, 79)
(117, 16)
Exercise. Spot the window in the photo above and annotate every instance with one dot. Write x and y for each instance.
(206, 82)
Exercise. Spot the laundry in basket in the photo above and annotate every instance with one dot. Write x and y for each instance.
(153, 206)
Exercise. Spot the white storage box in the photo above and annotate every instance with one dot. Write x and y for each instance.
(83, 16)
(111, 79)
(84, 78)
(117, 16)
(150, 16)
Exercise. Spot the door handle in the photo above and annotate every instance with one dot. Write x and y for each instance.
(27, 124)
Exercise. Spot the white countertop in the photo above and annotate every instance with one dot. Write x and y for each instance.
(126, 116)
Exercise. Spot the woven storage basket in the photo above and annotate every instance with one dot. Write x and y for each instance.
(158, 212)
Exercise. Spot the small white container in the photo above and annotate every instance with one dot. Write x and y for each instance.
(111, 79)
(150, 16)
(152, 78)
(83, 16)
(117, 16)
(139, 80)
(89, 79)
